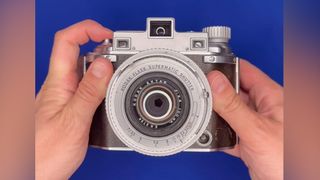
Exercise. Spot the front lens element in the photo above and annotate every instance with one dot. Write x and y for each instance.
(157, 104)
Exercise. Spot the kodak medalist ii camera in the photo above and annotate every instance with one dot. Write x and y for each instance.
(159, 101)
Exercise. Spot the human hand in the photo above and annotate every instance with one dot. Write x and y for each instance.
(65, 104)
(257, 117)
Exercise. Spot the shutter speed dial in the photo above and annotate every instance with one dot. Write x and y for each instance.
(218, 33)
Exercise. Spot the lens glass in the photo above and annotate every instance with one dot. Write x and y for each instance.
(157, 104)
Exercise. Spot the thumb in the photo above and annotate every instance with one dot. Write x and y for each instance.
(92, 89)
(228, 104)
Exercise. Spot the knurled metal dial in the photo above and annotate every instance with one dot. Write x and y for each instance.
(218, 32)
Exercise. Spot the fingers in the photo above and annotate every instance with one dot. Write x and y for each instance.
(246, 99)
(228, 104)
(63, 64)
(262, 90)
(92, 89)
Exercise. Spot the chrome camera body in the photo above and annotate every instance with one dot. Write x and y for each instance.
(159, 101)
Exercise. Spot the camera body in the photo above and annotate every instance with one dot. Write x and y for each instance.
(159, 101)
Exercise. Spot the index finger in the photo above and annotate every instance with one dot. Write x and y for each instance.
(65, 52)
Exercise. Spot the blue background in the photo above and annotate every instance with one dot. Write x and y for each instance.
(257, 35)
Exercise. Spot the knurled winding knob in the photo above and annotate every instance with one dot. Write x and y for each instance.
(221, 33)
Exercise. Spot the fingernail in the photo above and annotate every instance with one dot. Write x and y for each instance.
(99, 69)
(218, 83)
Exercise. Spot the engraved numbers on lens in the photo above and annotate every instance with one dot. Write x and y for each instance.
(131, 132)
(155, 142)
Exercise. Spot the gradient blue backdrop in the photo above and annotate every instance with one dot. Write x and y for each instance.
(256, 36)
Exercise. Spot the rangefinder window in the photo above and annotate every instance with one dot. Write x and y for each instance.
(160, 28)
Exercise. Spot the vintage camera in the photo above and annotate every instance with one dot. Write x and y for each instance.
(159, 101)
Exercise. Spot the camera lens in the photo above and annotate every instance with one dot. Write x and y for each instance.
(157, 104)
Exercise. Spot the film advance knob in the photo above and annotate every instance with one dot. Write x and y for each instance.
(218, 33)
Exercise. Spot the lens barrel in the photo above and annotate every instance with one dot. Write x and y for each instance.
(157, 104)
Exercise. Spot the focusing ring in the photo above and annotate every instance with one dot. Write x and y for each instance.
(172, 64)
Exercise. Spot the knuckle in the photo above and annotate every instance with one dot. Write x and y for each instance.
(233, 103)
(59, 35)
(89, 22)
(88, 92)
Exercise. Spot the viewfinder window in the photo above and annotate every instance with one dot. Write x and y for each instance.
(160, 28)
